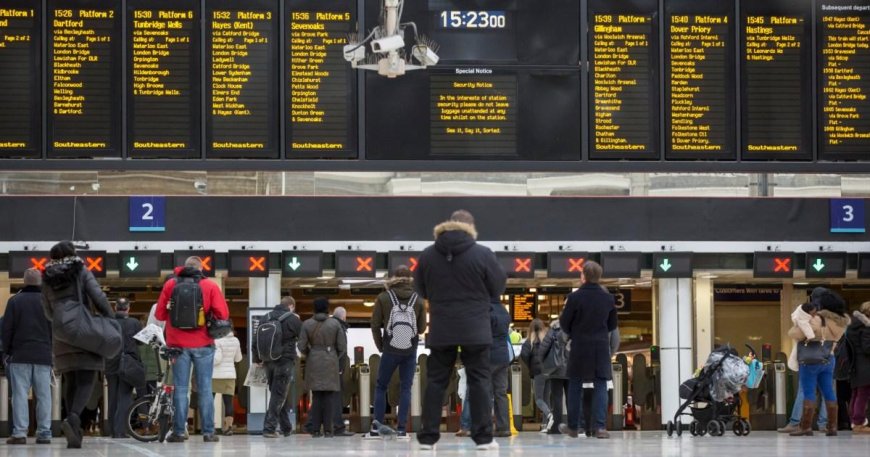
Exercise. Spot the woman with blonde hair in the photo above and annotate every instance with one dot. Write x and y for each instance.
(531, 355)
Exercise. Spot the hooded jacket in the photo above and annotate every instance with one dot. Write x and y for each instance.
(858, 335)
(323, 343)
(459, 278)
(212, 302)
(290, 330)
(26, 333)
(384, 306)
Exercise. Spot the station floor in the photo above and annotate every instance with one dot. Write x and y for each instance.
(758, 444)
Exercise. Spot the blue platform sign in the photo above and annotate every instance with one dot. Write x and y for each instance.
(847, 215)
(148, 214)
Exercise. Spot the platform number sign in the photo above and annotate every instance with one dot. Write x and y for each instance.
(847, 215)
(147, 214)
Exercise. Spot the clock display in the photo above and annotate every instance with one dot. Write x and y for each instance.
(473, 19)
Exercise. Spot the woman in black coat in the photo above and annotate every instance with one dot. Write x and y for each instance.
(858, 337)
(62, 278)
(121, 391)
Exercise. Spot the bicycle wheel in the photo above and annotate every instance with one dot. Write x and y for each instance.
(164, 421)
(140, 425)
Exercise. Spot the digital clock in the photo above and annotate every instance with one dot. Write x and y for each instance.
(473, 19)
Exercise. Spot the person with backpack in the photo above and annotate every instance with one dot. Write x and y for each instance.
(323, 343)
(120, 387)
(184, 304)
(531, 355)
(857, 342)
(397, 321)
(274, 346)
(554, 350)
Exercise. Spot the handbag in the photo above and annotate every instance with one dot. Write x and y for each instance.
(131, 370)
(73, 323)
(815, 352)
(217, 328)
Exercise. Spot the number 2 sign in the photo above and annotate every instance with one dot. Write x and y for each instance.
(147, 214)
(847, 215)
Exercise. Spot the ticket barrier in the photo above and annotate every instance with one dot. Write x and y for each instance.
(363, 377)
(416, 401)
(618, 399)
(780, 381)
(517, 395)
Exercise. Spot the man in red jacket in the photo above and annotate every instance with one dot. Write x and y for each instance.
(197, 350)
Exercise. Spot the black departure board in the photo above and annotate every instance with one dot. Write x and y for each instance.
(776, 84)
(163, 78)
(624, 79)
(241, 55)
(843, 75)
(321, 108)
(83, 78)
(699, 80)
(20, 91)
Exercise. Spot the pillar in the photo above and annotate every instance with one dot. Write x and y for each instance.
(5, 292)
(264, 292)
(674, 298)
(703, 319)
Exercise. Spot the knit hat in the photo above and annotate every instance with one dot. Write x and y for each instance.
(321, 305)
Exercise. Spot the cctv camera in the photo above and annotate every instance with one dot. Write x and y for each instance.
(425, 55)
(388, 44)
(354, 52)
(200, 185)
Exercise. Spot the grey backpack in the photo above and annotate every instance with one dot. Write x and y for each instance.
(402, 326)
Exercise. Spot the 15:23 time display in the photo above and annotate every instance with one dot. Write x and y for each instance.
(473, 19)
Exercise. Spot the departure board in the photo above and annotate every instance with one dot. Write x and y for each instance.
(699, 80)
(84, 78)
(242, 77)
(163, 78)
(624, 84)
(843, 66)
(776, 84)
(20, 92)
(321, 109)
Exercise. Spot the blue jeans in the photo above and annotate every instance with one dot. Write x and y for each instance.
(575, 405)
(406, 365)
(23, 376)
(797, 410)
(202, 362)
(465, 416)
(821, 376)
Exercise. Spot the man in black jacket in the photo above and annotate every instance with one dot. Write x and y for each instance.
(280, 372)
(27, 342)
(121, 391)
(459, 278)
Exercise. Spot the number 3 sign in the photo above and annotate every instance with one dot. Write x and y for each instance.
(147, 214)
(847, 215)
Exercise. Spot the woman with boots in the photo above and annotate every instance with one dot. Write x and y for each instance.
(65, 278)
(828, 324)
(858, 335)
(228, 352)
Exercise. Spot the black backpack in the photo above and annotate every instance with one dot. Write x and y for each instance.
(845, 360)
(269, 337)
(185, 305)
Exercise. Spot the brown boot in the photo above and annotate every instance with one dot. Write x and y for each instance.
(806, 425)
(832, 418)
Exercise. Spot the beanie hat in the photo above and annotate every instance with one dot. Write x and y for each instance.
(321, 305)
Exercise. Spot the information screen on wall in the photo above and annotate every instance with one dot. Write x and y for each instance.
(776, 79)
(163, 78)
(241, 56)
(20, 91)
(84, 78)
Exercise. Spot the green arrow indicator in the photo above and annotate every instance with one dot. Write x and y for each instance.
(819, 266)
(665, 265)
(294, 264)
(132, 265)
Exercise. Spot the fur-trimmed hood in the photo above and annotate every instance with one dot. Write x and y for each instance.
(860, 318)
(453, 238)
(454, 225)
(60, 273)
(841, 320)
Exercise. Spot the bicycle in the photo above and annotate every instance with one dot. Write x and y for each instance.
(150, 417)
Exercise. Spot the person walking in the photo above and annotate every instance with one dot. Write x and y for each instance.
(120, 390)
(459, 278)
(397, 337)
(26, 337)
(858, 337)
(197, 347)
(227, 353)
(322, 343)
(588, 318)
(501, 354)
(279, 372)
(557, 380)
(532, 356)
(66, 279)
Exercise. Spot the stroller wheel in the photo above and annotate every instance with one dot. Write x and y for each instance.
(693, 428)
(714, 428)
(670, 428)
(722, 428)
(702, 431)
(679, 427)
(737, 428)
(747, 427)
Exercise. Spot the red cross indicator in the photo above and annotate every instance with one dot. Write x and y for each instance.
(38, 263)
(413, 261)
(781, 264)
(94, 263)
(364, 264)
(206, 263)
(575, 265)
(523, 265)
(257, 264)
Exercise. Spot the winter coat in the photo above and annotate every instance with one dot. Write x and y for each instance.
(546, 346)
(858, 334)
(26, 333)
(212, 302)
(323, 343)
(290, 330)
(588, 318)
(129, 328)
(227, 353)
(383, 306)
(61, 281)
(532, 356)
(501, 353)
(459, 278)
(833, 329)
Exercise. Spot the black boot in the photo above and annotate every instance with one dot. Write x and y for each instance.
(72, 430)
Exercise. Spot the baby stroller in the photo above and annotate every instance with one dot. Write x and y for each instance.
(713, 397)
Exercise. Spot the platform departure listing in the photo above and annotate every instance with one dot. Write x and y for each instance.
(18, 96)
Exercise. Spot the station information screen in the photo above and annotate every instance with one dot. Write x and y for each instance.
(321, 108)
(624, 79)
(699, 79)
(163, 78)
(776, 79)
(20, 91)
(843, 75)
(241, 56)
(523, 307)
(84, 78)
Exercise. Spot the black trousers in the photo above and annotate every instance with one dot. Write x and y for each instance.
(338, 415)
(229, 408)
(79, 385)
(558, 389)
(440, 364)
(120, 398)
(322, 411)
(278, 375)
